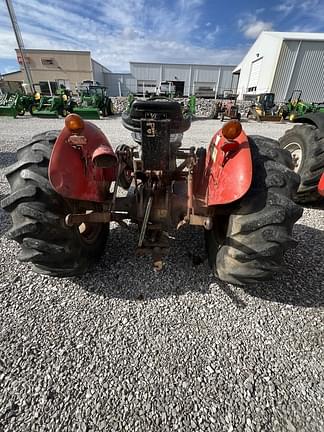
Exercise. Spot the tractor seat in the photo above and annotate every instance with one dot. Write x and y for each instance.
(155, 109)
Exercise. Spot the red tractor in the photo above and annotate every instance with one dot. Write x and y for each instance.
(64, 194)
(320, 187)
(231, 111)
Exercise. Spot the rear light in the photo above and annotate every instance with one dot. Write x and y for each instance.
(74, 122)
(232, 129)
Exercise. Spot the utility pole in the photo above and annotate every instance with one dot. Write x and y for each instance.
(20, 43)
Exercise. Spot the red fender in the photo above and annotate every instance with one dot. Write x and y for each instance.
(72, 171)
(321, 185)
(228, 169)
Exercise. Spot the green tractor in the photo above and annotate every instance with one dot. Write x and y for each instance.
(296, 107)
(94, 102)
(15, 104)
(53, 106)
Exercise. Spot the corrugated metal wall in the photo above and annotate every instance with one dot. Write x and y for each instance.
(300, 67)
(98, 72)
(193, 76)
(120, 83)
(285, 66)
(149, 72)
(308, 74)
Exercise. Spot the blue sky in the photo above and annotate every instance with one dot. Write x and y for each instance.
(183, 31)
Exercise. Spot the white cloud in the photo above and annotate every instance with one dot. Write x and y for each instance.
(253, 30)
(251, 27)
(210, 37)
(285, 8)
(116, 32)
(306, 15)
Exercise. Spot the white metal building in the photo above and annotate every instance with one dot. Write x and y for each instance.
(120, 84)
(203, 80)
(281, 62)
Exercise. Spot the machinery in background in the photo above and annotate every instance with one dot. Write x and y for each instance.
(166, 88)
(216, 110)
(305, 142)
(53, 106)
(264, 108)
(92, 103)
(16, 104)
(296, 107)
(230, 110)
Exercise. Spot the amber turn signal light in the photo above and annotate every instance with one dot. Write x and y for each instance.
(232, 129)
(74, 122)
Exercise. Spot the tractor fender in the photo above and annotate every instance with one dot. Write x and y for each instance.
(73, 171)
(228, 169)
(320, 187)
(315, 119)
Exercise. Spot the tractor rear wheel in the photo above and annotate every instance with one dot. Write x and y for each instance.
(307, 150)
(38, 213)
(110, 107)
(32, 109)
(248, 241)
(21, 112)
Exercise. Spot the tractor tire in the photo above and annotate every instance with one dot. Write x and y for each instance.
(38, 214)
(110, 107)
(248, 240)
(103, 111)
(63, 112)
(70, 106)
(32, 109)
(307, 150)
(107, 108)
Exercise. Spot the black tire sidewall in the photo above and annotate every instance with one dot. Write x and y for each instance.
(305, 148)
(248, 225)
(46, 214)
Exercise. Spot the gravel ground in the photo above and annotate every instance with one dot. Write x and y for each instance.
(126, 349)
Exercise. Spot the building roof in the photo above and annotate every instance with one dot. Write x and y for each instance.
(295, 35)
(9, 73)
(32, 50)
(180, 64)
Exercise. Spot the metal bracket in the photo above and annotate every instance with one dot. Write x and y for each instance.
(93, 217)
(146, 218)
(192, 219)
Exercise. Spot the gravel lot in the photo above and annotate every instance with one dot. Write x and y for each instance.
(126, 349)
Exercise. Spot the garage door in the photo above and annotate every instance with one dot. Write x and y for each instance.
(254, 74)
